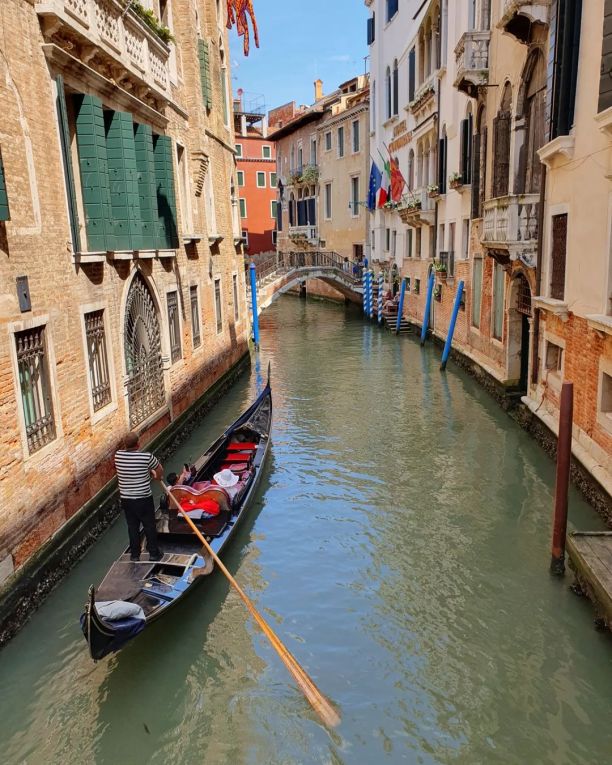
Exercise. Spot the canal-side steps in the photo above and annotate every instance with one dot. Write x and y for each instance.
(590, 556)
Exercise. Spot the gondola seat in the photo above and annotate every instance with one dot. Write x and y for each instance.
(235, 457)
(236, 446)
(211, 527)
(235, 467)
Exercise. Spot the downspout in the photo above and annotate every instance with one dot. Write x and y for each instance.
(538, 287)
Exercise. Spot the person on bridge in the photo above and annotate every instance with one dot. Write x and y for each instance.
(345, 265)
(135, 469)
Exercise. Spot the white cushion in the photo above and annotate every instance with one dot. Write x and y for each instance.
(118, 609)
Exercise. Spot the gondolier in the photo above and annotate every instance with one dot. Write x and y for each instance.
(134, 472)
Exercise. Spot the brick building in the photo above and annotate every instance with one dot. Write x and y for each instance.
(256, 174)
(122, 282)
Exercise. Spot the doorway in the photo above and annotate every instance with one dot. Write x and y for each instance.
(519, 332)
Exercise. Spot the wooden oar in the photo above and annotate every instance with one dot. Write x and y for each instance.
(317, 700)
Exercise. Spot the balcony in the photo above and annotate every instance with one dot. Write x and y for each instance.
(472, 61)
(113, 42)
(511, 225)
(303, 174)
(519, 17)
(417, 209)
(304, 234)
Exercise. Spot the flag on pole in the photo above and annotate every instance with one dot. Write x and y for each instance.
(397, 180)
(385, 190)
(373, 188)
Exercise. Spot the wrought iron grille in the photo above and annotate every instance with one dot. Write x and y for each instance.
(143, 359)
(35, 387)
(98, 362)
(174, 326)
(523, 299)
(195, 316)
(559, 249)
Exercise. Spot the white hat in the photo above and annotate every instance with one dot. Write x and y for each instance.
(225, 478)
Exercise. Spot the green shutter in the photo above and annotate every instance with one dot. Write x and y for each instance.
(93, 164)
(62, 116)
(145, 167)
(224, 94)
(164, 185)
(205, 73)
(125, 203)
(4, 205)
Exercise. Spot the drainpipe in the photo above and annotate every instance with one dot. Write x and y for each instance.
(540, 251)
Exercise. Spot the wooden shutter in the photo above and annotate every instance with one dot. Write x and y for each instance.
(93, 165)
(4, 205)
(62, 118)
(501, 154)
(125, 204)
(442, 165)
(558, 253)
(147, 195)
(205, 73)
(371, 30)
(312, 211)
(463, 160)
(395, 90)
(476, 176)
(166, 200)
(483, 167)
(411, 74)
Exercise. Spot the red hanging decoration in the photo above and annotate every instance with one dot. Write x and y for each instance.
(237, 11)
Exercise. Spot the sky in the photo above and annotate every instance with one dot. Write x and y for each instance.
(300, 40)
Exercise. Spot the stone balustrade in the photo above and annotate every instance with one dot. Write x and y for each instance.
(128, 44)
(511, 220)
(472, 61)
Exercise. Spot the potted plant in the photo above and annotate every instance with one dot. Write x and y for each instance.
(455, 180)
(310, 174)
(440, 268)
(433, 191)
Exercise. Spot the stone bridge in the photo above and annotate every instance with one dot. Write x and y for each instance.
(288, 269)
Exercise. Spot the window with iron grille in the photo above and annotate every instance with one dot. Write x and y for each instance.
(174, 326)
(476, 292)
(35, 387)
(557, 256)
(218, 305)
(523, 300)
(195, 316)
(236, 303)
(98, 361)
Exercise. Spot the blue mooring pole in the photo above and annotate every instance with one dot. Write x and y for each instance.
(451, 328)
(364, 287)
(400, 308)
(254, 304)
(430, 289)
(371, 294)
(381, 279)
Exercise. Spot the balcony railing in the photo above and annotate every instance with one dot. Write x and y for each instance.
(311, 233)
(511, 220)
(304, 174)
(417, 208)
(519, 17)
(472, 59)
(104, 27)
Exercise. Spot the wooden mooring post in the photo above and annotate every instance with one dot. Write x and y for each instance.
(564, 456)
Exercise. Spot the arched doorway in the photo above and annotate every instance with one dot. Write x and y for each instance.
(519, 321)
(143, 357)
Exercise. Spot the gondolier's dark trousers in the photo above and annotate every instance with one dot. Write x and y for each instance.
(139, 512)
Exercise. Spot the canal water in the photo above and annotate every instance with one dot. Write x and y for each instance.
(399, 546)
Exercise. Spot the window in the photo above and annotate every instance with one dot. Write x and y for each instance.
(4, 205)
(313, 151)
(218, 313)
(465, 165)
(355, 196)
(355, 136)
(411, 74)
(238, 149)
(266, 152)
(567, 49)
(476, 292)
(409, 243)
(35, 385)
(442, 161)
(395, 89)
(99, 377)
(174, 326)
(388, 98)
(387, 239)
(465, 238)
(328, 201)
(391, 8)
(273, 181)
(441, 233)
(605, 404)
(243, 207)
(235, 294)
(328, 141)
(371, 29)
(241, 178)
(205, 80)
(553, 360)
(261, 180)
(498, 300)
(451, 248)
(557, 256)
(209, 201)
(273, 209)
(183, 187)
(417, 286)
(195, 316)
(245, 237)
(393, 242)
(501, 144)
(419, 240)
(341, 142)
(407, 284)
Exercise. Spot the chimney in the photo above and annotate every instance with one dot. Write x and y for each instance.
(318, 86)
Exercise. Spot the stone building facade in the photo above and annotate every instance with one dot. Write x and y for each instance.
(122, 293)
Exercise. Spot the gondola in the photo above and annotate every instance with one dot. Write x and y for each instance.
(134, 594)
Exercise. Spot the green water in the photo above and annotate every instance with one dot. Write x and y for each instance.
(399, 546)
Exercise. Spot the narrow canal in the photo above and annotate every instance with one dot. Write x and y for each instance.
(399, 546)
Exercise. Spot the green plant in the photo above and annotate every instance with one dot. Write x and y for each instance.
(455, 178)
(439, 267)
(433, 188)
(151, 20)
(310, 174)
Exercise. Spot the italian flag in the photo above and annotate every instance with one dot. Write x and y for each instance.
(384, 193)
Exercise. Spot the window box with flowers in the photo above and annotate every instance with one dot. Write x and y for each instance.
(310, 174)
(433, 192)
(455, 181)
(409, 208)
(440, 270)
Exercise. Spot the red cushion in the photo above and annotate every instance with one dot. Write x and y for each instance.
(235, 467)
(209, 506)
(236, 457)
(236, 446)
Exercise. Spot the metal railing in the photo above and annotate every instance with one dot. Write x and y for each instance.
(284, 262)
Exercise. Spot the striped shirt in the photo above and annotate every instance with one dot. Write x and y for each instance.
(134, 473)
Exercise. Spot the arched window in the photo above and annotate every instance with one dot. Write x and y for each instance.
(395, 88)
(426, 159)
(292, 209)
(388, 93)
(419, 165)
(410, 177)
(442, 162)
(465, 159)
(479, 149)
(531, 117)
(501, 144)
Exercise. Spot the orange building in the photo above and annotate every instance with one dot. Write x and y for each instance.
(256, 171)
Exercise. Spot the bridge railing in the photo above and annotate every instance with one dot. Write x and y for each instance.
(282, 262)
